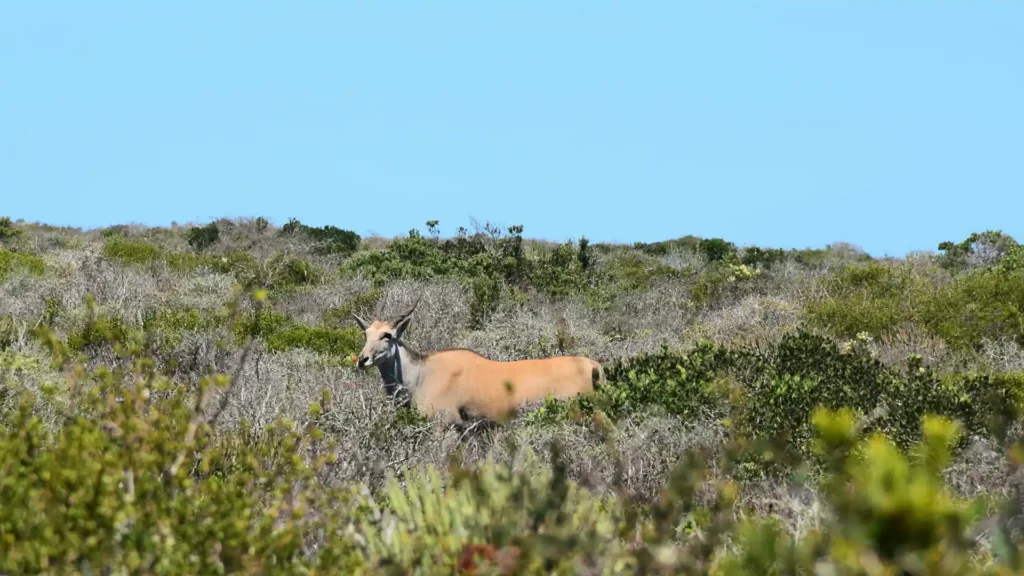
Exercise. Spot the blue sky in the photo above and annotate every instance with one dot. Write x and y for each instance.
(891, 125)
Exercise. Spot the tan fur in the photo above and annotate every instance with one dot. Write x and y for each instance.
(462, 379)
(461, 382)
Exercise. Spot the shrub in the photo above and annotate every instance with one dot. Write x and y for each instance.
(335, 341)
(121, 249)
(771, 395)
(326, 239)
(170, 325)
(202, 237)
(629, 272)
(281, 272)
(716, 249)
(8, 231)
(679, 383)
(806, 371)
(686, 243)
(978, 249)
(560, 272)
(11, 261)
(8, 332)
(292, 272)
(985, 304)
(282, 333)
(874, 298)
(762, 258)
(135, 479)
(721, 282)
(99, 330)
(898, 509)
(486, 292)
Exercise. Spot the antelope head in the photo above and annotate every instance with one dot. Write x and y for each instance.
(382, 337)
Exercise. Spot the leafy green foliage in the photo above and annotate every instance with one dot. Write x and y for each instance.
(483, 261)
(170, 325)
(875, 299)
(8, 231)
(985, 247)
(716, 249)
(678, 382)
(283, 333)
(686, 243)
(280, 272)
(985, 304)
(783, 386)
(627, 272)
(11, 261)
(202, 237)
(326, 239)
(122, 249)
(336, 341)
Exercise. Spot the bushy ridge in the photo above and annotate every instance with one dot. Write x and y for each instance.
(182, 400)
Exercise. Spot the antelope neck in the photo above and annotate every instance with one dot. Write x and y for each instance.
(399, 371)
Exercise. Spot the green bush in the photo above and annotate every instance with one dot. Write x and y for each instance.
(202, 237)
(122, 249)
(293, 272)
(280, 272)
(985, 247)
(985, 304)
(335, 341)
(762, 257)
(136, 480)
(100, 329)
(168, 326)
(485, 294)
(722, 282)
(11, 261)
(874, 298)
(282, 333)
(681, 383)
(716, 249)
(8, 332)
(684, 244)
(560, 271)
(771, 395)
(326, 239)
(8, 231)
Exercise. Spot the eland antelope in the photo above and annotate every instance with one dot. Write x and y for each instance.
(460, 384)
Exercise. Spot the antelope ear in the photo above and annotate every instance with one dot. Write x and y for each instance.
(401, 325)
(362, 323)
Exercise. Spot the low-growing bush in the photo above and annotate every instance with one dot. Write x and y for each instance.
(128, 251)
(8, 231)
(202, 237)
(12, 261)
(980, 249)
(631, 272)
(335, 341)
(875, 299)
(977, 306)
(326, 239)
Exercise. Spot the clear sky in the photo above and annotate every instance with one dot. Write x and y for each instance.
(891, 125)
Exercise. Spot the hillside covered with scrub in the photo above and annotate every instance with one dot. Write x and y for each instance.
(183, 400)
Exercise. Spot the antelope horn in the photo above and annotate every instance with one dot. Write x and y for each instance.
(406, 314)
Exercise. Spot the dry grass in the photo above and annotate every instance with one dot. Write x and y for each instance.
(753, 321)
(893, 348)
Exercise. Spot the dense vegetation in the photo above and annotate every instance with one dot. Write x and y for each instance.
(183, 400)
